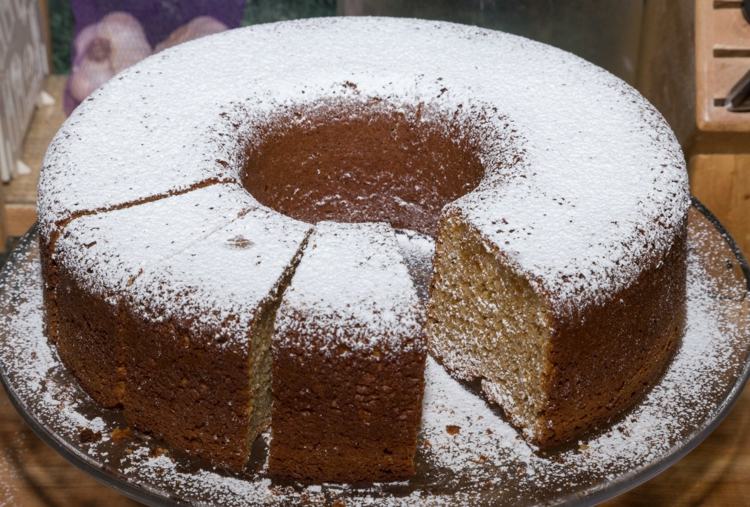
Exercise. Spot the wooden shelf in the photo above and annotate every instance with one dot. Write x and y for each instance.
(20, 193)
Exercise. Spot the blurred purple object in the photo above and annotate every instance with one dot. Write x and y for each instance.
(102, 50)
(111, 35)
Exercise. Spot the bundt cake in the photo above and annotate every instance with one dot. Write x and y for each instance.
(218, 232)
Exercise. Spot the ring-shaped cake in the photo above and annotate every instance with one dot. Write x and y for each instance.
(218, 247)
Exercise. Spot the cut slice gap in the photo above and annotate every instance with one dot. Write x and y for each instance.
(348, 360)
(59, 225)
(417, 250)
(209, 311)
(260, 357)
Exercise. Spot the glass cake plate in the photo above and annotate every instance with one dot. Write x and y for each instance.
(468, 453)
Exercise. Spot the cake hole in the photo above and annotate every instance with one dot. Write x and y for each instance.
(363, 162)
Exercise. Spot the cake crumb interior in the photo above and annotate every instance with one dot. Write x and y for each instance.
(483, 317)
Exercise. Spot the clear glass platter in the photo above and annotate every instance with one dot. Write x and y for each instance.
(468, 453)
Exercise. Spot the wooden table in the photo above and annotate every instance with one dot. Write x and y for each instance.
(32, 474)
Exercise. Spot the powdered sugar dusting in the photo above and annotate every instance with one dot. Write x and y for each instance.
(210, 256)
(468, 454)
(105, 252)
(584, 213)
(220, 282)
(353, 286)
(586, 178)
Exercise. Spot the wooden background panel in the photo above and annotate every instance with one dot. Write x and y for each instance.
(666, 63)
(726, 72)
(729, 30)
(722, 183)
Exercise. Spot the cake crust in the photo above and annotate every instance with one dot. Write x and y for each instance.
(88, 338)
(132, 308)
(354, 420)
(592, 380)
(188, 390)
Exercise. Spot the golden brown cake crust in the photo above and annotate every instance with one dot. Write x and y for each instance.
(187, 389)
(345, 419)
(109, 347)
(85, 329)
(604, 359)
(49, 285)
(175, 356)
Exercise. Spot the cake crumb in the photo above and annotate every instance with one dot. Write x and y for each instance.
(87, 436)
(157, 451)
(120, 434)
(452, 429)
(239, 242)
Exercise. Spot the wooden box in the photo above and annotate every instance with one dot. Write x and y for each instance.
(720, 154)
